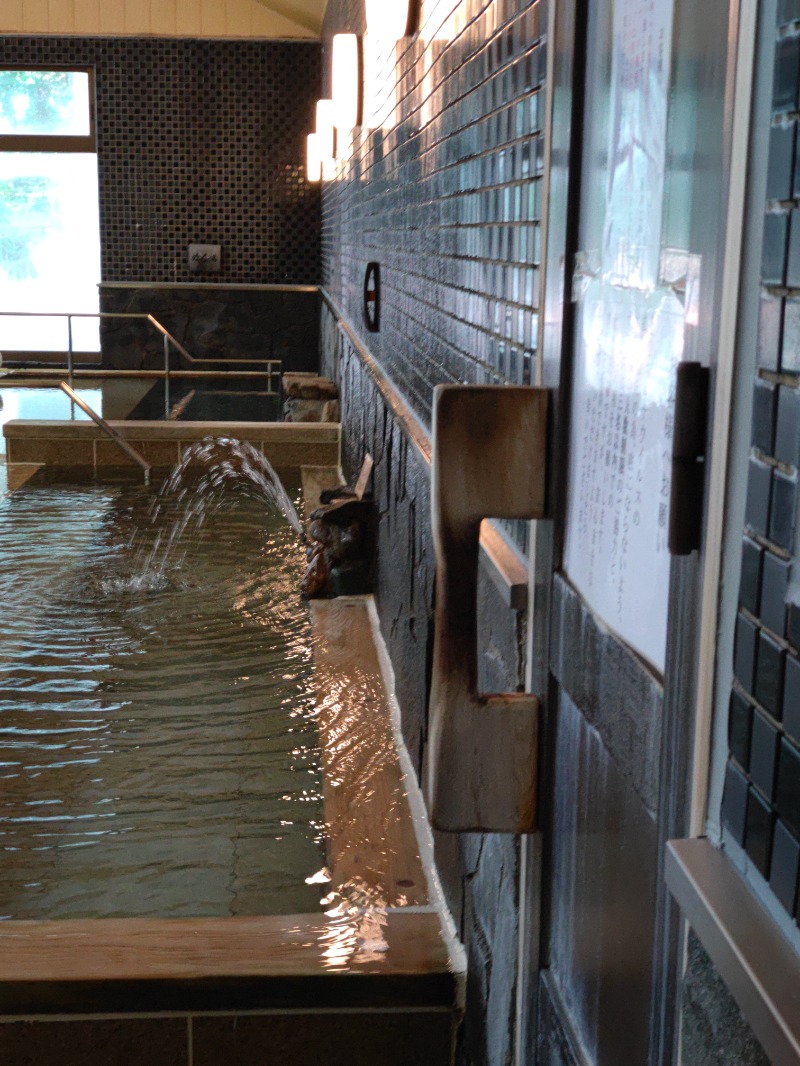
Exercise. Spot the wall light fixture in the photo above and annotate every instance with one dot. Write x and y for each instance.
(392, 19)
(324, 129)
(313, 158)
(347, 81)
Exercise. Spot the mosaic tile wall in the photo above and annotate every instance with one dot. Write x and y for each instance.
(198, 142)
(761, 804)
(447, 196)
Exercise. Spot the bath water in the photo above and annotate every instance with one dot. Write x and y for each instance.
(158, 755)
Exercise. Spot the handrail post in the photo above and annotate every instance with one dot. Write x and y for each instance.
(109, 431)
(166, 376)
(70, 362)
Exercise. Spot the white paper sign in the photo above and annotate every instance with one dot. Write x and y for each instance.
(637, 149)
(620, 460)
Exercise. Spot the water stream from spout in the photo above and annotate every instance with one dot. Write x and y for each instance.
(210, 471)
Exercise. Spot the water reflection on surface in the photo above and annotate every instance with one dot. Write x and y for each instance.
(157, 750)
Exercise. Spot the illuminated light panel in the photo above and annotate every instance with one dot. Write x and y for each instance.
(392, 19)
(325, 129)
(313, 158)
(346, 77)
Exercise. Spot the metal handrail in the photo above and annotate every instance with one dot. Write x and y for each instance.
(168, 338)
(106, 428)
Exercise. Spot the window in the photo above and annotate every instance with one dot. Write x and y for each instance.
(49, 213)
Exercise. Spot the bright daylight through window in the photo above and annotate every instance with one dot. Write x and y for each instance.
(49, 217)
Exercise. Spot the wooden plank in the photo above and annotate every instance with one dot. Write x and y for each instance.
(188, 18)
(137, 17)
(163, 17)
(62, 16)
(239, 18)
(483, 749)
(372, 847)
(36, 16)
(112, 18)
(87, 16)
(212, 18)
(12, 18)
(143, 949)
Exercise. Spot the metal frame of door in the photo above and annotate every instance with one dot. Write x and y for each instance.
(687, 610)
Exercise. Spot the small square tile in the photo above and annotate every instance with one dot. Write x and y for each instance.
(734, 802)
(793, 263)
(787, 67)
(740, 725)
(774, 249)
(785, 866)
(791, 698)
(763, 424)
(750, 580)
(769, 674)
(764, 755)
(758, 833)
(759, 491)
(782, 509)
(789, 361)
(774, 586)
(788, 11)
(780, 166)
(770, 330)
(744, 659)
(787, 435)
(788, 796)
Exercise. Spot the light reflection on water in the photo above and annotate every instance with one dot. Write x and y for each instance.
(157, 749)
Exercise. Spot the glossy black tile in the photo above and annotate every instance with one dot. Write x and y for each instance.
(750, 579)
(785, 866)
(770, 330)
(782, 509)
(788, 11)
(764, 755)
(744, 662)
(780, 168)
(787, 435)
(759, 491)
(763, 424)
(787, 67)
(734, 802)
(791, 698)
(740, 725)
(788, 795)
(774, 249)
(794, 626)
(769, 674)
(774, 586)
(758, 832)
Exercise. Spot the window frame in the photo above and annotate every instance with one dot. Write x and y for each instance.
(49, 142)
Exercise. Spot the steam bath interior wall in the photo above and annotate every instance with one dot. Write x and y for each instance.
(207, 828)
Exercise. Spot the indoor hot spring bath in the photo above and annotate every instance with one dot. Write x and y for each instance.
(210, 838)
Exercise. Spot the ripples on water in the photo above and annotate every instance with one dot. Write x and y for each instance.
(157, 751)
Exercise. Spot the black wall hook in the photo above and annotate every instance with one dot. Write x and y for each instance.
(372, 297)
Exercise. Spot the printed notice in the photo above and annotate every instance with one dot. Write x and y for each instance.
(620, 458)
(640, 66)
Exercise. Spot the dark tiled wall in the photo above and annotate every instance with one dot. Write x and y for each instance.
(480, 872)
(198, 142)
(761, 804)
(449, 199)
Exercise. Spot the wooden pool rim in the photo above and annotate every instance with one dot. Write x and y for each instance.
(385, 942)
